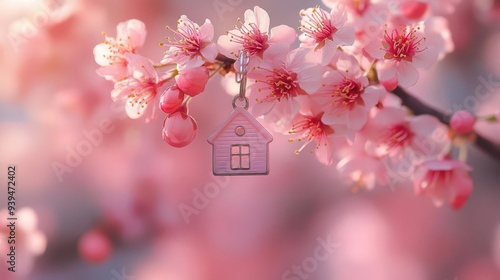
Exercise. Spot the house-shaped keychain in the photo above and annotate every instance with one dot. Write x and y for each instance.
(240, 146)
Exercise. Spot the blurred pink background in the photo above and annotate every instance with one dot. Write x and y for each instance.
(130, 186)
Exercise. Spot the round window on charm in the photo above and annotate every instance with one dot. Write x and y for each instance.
(239, 130)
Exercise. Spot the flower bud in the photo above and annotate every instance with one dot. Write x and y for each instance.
(462, 122)
(171, 100)
(179, 129)
(192, 81)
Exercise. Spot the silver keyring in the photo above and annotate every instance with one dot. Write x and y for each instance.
(237, 97)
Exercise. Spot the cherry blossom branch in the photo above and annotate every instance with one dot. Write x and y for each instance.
(417, 107)
(420, 108)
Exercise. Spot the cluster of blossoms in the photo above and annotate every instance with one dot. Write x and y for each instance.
(332, 93)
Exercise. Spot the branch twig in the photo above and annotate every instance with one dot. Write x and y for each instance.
(419, 108)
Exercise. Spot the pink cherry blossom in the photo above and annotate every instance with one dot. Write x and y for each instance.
(282, 77)
(192, 81)
(179, 128)
(392, 133)
(462, 122)
(253, 36)
(401, 52)
(325, 31)
(171, 99)
(193, 44)
(139, 89)
(111, 55)
(346, 96)
(444, 181)
(308, 128)
(364, 170)
(358, 166)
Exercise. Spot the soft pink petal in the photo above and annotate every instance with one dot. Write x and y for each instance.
(407, 74)
(133, 29)
(324, 153)
(334, 117)
(372, 95)
(262, 108)
(276, 54)
(344, 36)
(207, 31)
(357, 118)
(348, 63)
(210, 52)
(227, 47)
(310, 79)
(113, 72)
(123, 88)
(389, 116)
(258, 16)
(283, 34)
(374, 49)
(333, 77)
(338, 17)
(327, 52)
(142, 68)
(462, 186)
(386, 70)
(424, 125)
(426, 58)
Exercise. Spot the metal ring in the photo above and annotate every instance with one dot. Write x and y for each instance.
(237, 97)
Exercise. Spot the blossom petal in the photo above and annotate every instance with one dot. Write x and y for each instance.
(309, 79)
(207, 31)
(424, 125)
(344, 36)
(133, 30)
(262, 108)
(258, 16)
(372, 95)
(407, 74)
(227, 47)
(113, 72)
(210, 52)
(142, 68)
(283, 34)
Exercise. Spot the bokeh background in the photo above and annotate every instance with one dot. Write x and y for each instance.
(116, 215)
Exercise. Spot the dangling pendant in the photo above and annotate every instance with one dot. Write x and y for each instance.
(240, 146)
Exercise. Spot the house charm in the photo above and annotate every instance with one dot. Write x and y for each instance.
(240, 146)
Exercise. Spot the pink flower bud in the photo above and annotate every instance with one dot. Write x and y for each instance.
(414, 9)
(94, 246)
(179, 129)
(462, 122)
(171, 100)
(192, 81)
(391, 84)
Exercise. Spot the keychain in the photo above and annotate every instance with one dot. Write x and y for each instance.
(240, 145)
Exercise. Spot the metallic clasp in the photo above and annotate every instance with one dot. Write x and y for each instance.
(241, 77)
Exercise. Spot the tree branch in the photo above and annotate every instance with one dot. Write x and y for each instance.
(418, 108)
